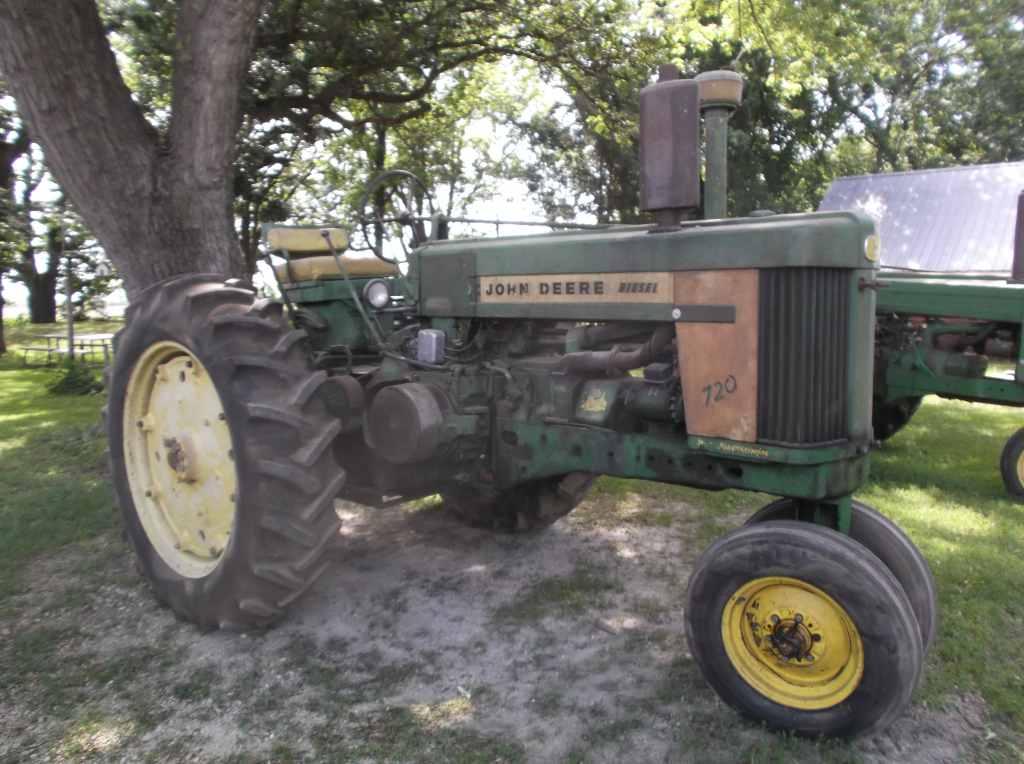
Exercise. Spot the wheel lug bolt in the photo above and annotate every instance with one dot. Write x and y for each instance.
(798, 618)
(775, 619)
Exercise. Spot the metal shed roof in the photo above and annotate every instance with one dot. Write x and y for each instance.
(957, 219)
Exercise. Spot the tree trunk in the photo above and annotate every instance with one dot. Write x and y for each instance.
(3, 339)
(9, 152)
(380, 155)
(160, 205)
(42, 297)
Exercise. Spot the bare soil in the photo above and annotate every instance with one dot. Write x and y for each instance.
(428, 641)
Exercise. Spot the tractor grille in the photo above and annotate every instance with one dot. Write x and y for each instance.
(803, 342)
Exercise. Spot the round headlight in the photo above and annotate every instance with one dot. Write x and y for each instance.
(872, 247)
(376, 293)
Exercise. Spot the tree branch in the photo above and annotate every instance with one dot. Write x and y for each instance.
(62, 73)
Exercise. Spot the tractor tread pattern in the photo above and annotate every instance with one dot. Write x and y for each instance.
(288, 476)
(325, 501)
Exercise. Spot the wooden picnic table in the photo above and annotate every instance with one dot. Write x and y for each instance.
(84, 345)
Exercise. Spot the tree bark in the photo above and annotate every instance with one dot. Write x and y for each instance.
(160, 205)
(42, 297)
(9, 153)
(3, 338)
(10, 150)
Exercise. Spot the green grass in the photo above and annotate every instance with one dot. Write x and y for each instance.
(716, 515)
(938, 479)
(53, 478)
(574, 593)
(414, 734)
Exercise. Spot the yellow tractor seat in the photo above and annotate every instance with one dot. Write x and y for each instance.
(310, 259)
(304, 240)
(324, 267)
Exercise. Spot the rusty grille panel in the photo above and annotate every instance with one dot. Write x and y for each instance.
(802, 356)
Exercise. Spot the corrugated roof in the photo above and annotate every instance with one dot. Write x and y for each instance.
(957, 219)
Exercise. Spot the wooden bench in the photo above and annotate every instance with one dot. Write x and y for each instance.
(40, 349)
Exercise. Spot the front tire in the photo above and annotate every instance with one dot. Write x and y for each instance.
(804, 629)
(220, 453)
(889, 544)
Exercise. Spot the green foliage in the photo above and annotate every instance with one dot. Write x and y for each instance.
(831, 89)
(74, 377)
(338, 91)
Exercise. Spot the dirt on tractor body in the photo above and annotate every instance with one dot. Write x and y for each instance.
(427, 641)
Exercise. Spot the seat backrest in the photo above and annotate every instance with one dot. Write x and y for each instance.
(303, 240)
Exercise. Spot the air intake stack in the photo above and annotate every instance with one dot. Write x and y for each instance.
(720, 95)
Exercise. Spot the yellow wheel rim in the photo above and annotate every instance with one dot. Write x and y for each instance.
(179, 459)
(792, 643)
(1020, 468)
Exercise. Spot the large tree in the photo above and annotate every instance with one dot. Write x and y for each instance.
(158, 200)
(152, 175)
(14, 142)
(831, 89)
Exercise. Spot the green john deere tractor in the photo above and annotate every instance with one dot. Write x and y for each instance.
(505, 374)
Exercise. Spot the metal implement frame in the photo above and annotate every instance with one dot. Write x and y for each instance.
(975, 298)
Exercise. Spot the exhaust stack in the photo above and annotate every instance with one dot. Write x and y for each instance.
(1018, 242)
(720, 94)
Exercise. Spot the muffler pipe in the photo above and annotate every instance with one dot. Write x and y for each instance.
(720, 95)
(1018, 242)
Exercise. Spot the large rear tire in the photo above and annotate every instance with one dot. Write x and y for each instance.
(1011, 466)
(891, 545)
(522, 509)
(889, 417)
(804, 629)
(220, 452)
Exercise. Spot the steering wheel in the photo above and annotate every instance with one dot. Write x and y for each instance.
(391, 201)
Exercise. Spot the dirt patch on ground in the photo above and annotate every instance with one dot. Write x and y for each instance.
(428, 641)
